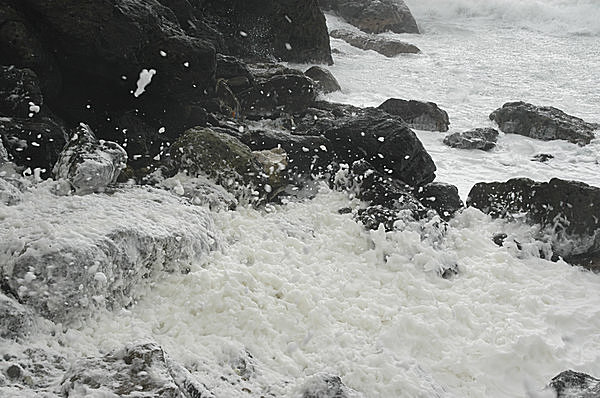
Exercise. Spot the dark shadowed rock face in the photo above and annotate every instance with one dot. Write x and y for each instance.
(417, 114)
(479, 138)
(324, 80)
(543, 123)
(387, 47)
(374, 16)
(568, 210)
(570, 384)
(285, 30)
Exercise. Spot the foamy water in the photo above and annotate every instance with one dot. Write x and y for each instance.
(306, 290)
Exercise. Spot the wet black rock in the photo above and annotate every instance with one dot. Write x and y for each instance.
(418, 114)
(20, 93)
(542, 157)
(374, 16)
(272, 30)
(441, 197)
(571, 384)
(16, 320)
(384, 46)
(480, 138)
(324, 79)
(566, 210)
(543, 122)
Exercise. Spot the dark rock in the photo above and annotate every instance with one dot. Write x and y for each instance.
(235, 72)
(567, 210)
(374, 16)
(33, 143)
(499, 238)
(20, 94)
(542, 157)
(137, 370)
(22, 46)
(285, 30)
(280, 93)
(419, 115)
(16, 321)
(324, 79)
(385, 142)
(388, 47)
(104, 46)
(226, 160)
(441, 197)
(543, 122)
(479, 138)
(14, 372)
(88, 164)
(575, 384)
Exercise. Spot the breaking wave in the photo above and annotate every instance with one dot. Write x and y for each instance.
(579, 17)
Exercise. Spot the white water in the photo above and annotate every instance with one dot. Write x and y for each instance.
(307, 290)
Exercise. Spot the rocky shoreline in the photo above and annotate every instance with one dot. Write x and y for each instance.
(184, 102)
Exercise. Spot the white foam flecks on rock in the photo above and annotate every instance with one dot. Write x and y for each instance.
(88, 164)
(144, 79)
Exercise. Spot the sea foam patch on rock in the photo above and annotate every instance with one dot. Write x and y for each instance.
(68, 256)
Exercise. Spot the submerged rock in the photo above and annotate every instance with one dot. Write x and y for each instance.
(568, 211)
(571, 384)
(327, 386)
(69, 256)
(479, 138)
(134, 371)
(388, 47)
(419, 115)
(324, 79)
(16, 320)
(543, 122)
(374, 16)
(88, 164)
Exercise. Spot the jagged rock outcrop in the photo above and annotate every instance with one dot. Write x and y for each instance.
(324, 79)
(88, 164)
(374, 16)
(260, 30)
(70, 256)
(479, 138)
(571, 384)
(566, 210)
(387, 47)
(543, 123)
(418, 114)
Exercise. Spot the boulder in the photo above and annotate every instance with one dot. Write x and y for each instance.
(88, 164)
(259, 30)
(543, 123)
(374, 16)
(227, 161)
(480, 138)
(542, 157)
(569, 384)
(387, 47)
(417, 114)
(235, 72)
(71, 256)
(566, 210)
(324, 79)
(384, 141)
(441, 197)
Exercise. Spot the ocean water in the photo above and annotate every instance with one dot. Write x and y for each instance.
(305, 290)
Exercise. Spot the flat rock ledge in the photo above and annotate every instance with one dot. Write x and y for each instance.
(387, 47)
